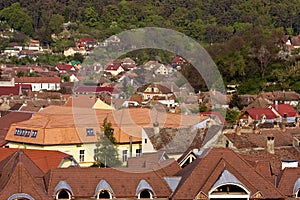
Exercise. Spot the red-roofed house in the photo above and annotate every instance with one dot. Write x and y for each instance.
(15, 90)
(62, 68)
(254, 114)
(114, 69)
(285, 111)
(40, 83)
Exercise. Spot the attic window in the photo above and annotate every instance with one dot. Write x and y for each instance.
(90, 132)
(145, 194)
(17, 131)
(27, 133)
(22, 132)
(34, 133)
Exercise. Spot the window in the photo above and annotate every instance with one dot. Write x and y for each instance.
(81, 155)
(22, 132)
(124, 155)
(138, 152)
(27, 133)
(146, 141)
(17, 131)
(90, 132)
(34, 133)
(63, 194)
(104, 194)
(145, 194)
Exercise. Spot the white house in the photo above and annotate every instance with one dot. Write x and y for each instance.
(40, 83)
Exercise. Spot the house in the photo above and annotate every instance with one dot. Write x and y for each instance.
(282, 97)
(63, 68)
(73, 50)
(114, 68)
(40, 83)
(161, 69)
(151, 90)
(86, 43)
(177, 62)
(34, 45)
(214, 99)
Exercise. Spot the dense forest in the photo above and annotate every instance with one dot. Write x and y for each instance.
(245, 38)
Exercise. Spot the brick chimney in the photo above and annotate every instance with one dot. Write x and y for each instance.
(271, 144)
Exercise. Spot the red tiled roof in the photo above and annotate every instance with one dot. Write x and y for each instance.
(14, 90)
(86, 40)
(257, 113)
(113, 67)
(217, 114)
(64, 67)
(285, 109)
(38, 80)
(288, 180)
(44, 159)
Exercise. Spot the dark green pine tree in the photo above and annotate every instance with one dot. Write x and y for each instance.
(106, 152)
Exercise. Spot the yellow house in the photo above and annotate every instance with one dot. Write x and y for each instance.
(73, 129)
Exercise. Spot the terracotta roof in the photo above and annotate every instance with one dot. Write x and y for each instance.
(288, 180)
(152, 162)
(124, 184)
(204, 172)
(20, 175)
(86, 39)
(38, 80)
(259, 102)
(249, 139)
(162, 89)
(65, 125)
(281, 96)
(64, 67)
(94, 89)
(44, 159)
(113, 67)
(216, 114)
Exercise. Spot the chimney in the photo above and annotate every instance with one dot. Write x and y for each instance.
(156, 127)
(238, 130)
(270, 144)
(276, 105)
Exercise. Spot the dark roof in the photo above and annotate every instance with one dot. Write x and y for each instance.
(249, 139)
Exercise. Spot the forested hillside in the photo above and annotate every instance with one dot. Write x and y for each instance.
(242, 36)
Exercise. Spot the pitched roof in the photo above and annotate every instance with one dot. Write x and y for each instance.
(67, 125)
(44, 159)
(124, 184)
(249, 139)
(8, 119)
(38, 80)
(202, 174)
(14, 90)
(288, 181)
(20, 175)
(64, 67)
(283, 109)
(94, 89)
(257, 113)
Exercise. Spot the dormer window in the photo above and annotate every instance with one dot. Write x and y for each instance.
(104, 194)
(90, 132)
(63, 195)
(145, 194)
(34, 133)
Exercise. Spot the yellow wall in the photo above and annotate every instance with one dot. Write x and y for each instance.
(74, 150)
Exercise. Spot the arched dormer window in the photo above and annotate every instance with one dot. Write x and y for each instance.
(228, 187)
(296, 189)
(63, 191)
(22, 196)
(104, 190)
(144, 190)
(63, 194)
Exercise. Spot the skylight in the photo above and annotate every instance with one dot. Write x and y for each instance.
(90, 132)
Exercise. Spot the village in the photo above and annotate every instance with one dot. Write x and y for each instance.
(52, 119)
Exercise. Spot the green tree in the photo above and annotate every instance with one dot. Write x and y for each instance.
(56, 23)
(232, 115)
(17, 18)
(236, 101)
(106, 153)
(91, 17)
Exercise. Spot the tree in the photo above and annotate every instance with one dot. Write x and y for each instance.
(236, 102)
(91, 17)
(17, 18)
(56, 23)
(106, 153)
